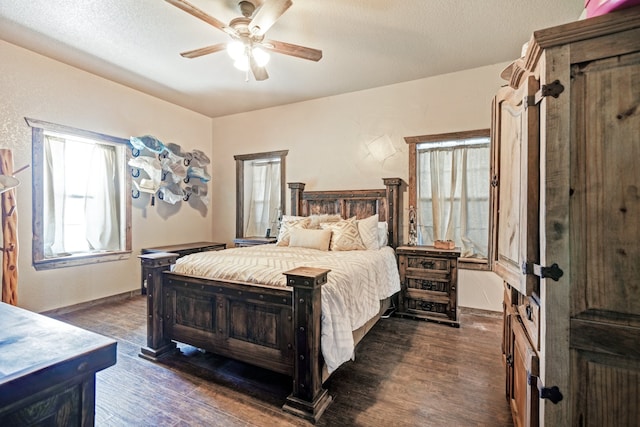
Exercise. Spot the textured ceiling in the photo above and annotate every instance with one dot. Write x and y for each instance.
(365, 44)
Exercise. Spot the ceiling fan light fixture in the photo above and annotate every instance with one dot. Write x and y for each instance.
(261, 57)
(236, 50)
(249, 49)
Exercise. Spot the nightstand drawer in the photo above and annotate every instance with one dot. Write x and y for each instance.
(428, 284)
(428, 307)
(428, 263)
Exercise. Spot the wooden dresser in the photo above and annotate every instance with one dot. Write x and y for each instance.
(566, 209)
(429, 281)
(47, 370)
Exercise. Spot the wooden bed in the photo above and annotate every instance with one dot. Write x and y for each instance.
(272, 327)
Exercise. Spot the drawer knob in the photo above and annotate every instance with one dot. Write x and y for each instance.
(427, 264)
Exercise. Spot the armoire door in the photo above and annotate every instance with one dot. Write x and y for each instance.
(515, 170)
(591, 228)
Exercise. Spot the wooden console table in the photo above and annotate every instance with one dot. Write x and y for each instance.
(181, 249)
(47, 370)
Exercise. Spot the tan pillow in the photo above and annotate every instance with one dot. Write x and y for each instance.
(287, 225)
(316, 220)
(308, 238)
(345, 235)
(368, 229)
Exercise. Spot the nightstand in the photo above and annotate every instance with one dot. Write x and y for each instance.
(240, 242)
(429, 281)
(181, 249)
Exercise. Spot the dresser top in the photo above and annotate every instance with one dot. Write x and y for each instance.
(31, 343)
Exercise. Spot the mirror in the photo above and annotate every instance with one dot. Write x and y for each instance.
(260, 193)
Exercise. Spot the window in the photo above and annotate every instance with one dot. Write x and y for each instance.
(81, 196)
(449, 188)
(260, 191)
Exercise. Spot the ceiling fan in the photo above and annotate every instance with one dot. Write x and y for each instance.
(248, 31)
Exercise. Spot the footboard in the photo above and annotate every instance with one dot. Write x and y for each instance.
(253, 324)
(274, 328)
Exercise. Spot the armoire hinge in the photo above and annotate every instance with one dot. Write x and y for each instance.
(554, 89)
(551, 393)
(553, 272)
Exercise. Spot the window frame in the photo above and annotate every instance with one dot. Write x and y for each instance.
(40, 262)
(413, 141)
(240, 196)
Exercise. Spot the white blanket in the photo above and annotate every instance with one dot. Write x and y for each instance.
(357, 282)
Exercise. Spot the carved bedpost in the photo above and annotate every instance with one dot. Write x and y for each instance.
(393, 214)
(308, 399)
(297, 188)
(153, 265)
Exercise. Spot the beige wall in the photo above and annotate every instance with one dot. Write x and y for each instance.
(35, 86)
(327, 141)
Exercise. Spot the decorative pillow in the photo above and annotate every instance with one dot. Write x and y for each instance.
(289, 223)
(316, 220)
(368, 229)
(383, 234)
(286, 218)
(345, 235)
(309, 238)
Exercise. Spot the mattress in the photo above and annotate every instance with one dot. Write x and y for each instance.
(357, 282)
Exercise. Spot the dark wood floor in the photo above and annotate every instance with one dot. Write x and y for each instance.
(406, 373)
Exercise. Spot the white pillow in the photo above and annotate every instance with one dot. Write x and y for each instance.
(383, 234)
(289, 223)
(310, 238)
(368, 229)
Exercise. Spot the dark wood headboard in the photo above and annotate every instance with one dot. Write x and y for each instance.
(348, 203)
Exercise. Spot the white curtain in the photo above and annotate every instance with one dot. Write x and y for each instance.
(81, 200)
(54, 194)
(262, 187)
(453, 195)
(101, 197)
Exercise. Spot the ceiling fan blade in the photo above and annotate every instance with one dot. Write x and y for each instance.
(198, 13)
(293, 50)
(259, 73)
(204, 50)
(267, 15)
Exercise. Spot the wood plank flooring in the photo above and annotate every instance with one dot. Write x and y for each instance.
(406, 373)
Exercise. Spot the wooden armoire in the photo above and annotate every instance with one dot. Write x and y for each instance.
(566, 223)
